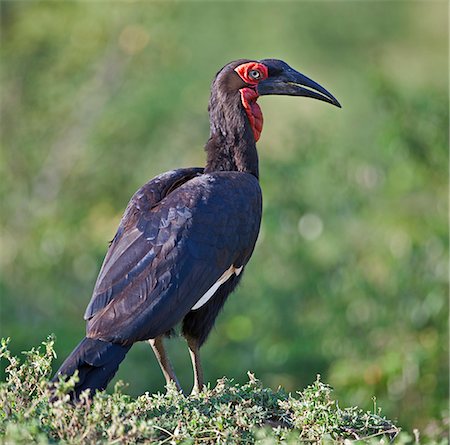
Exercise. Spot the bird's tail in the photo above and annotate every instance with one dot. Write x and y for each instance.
(96, 361)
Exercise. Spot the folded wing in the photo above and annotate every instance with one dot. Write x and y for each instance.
(179, 234)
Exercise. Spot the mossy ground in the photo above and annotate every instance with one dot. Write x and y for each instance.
(224, 414)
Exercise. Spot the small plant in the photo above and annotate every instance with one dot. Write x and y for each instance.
(226, 414)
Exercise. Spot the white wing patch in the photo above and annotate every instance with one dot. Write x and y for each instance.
(212, 290)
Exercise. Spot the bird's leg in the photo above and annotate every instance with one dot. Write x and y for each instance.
(163, 360)
(194, 352)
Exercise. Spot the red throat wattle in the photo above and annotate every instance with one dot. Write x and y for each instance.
(249, 95)
(253, 110)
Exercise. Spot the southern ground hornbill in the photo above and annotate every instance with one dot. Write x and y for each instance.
(186, 236)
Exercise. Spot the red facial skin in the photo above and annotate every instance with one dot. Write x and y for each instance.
(249, 94)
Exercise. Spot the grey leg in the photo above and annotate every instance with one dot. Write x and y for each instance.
(196, 365)
(163, 360)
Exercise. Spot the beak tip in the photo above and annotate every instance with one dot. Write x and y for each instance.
(334, 101)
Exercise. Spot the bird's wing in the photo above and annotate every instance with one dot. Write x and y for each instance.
(167, 254)
(125, 248)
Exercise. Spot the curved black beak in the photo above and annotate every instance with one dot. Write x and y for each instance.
(284, 80)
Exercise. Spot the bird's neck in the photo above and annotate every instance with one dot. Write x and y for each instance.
(232, 145)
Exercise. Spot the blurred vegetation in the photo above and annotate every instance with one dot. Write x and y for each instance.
(349, 277)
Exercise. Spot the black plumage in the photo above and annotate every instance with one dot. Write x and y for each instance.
(168, 253)
(186, 236)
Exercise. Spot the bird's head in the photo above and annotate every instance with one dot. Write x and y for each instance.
(254, 78)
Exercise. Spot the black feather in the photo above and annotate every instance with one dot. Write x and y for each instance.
(152, 284)
(96, 361)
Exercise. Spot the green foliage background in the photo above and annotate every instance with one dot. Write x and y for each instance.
(349, 278)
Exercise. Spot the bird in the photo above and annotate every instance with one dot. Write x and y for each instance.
(186, 236)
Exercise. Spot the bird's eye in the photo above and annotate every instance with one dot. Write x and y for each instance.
(254, 74)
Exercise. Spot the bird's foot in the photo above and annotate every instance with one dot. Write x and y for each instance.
(196, 390)
(173, 385)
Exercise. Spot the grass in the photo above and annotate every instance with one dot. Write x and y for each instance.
(225, 414)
